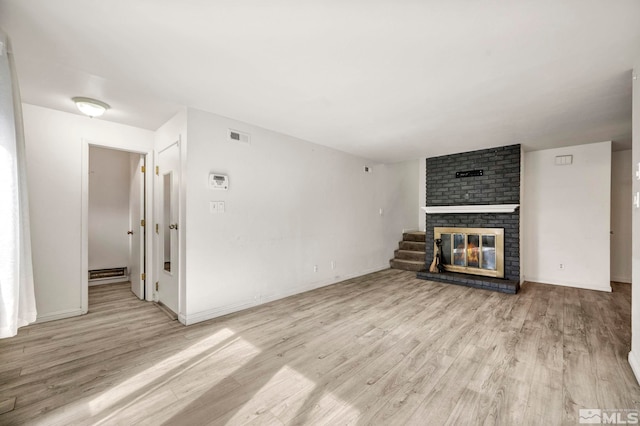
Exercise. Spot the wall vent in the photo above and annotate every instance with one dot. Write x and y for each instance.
(564, 160)
(103, 274)
(236, 136)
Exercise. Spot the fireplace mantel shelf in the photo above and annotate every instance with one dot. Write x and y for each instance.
(491, 208)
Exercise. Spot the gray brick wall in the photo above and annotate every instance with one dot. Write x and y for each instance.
(500, 184)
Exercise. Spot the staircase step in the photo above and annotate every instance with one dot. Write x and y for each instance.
(412, 245)
(410, 255)
(414, 236)
(407, 265)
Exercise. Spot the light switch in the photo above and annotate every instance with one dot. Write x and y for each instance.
(220, 206)
(213, 207)
(636, 200)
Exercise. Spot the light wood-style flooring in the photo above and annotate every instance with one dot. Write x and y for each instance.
(385, 348)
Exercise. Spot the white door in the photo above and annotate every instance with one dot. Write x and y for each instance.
(168, 226)
(136, 230)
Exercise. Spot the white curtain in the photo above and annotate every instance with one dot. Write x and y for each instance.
(17, 298)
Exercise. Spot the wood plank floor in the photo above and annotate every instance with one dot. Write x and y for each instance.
(385, 348)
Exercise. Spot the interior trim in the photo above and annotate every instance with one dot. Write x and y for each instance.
(487, 208)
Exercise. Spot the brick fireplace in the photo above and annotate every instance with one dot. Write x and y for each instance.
(476, 190)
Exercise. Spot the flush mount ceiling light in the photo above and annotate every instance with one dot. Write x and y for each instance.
(90, 107)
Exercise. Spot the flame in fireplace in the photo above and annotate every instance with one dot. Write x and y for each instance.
(473, 254)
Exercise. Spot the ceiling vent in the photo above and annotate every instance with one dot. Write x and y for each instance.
(236, 136)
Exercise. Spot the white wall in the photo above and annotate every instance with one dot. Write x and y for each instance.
(109, 180)
(634, 355)
(54, 166)
(621, 216)
(291, 205)
(568, 217)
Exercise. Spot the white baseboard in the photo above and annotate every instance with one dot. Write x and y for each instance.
(542, 280)
(634, 362)
(208, 314)
(620, 279)
(59, 315)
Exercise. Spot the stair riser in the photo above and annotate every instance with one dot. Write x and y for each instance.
(406, 266)
(413, 237)
(409, 255)
(412, 245)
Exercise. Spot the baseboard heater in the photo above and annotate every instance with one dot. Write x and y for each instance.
(105, 274)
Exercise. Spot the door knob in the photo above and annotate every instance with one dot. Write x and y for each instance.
(129, 232)
(173, 226)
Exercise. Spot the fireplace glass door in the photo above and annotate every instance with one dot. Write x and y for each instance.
(472, 250)
(489, 252)
(459, 257)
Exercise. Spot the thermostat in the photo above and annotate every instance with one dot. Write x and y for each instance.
(217, 181)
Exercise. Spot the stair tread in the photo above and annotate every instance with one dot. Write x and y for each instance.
(415, 262)
(414, 236)
(407, 265)
(411, 252)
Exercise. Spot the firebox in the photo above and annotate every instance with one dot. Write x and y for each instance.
(478, 251)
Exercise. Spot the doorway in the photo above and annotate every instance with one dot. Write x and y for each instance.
(114, 212)
(621, 208)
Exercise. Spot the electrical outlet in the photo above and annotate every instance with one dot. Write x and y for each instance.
(561, 266)
(315, 268)
(333, 264)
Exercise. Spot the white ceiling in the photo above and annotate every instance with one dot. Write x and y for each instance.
(386, 80)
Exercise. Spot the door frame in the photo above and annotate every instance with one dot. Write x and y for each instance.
(137, 285)
(157, 254)
(84, 219)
